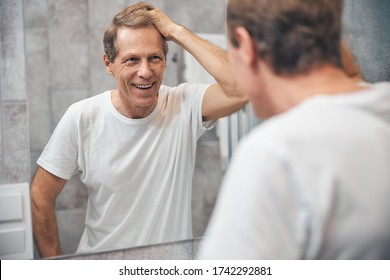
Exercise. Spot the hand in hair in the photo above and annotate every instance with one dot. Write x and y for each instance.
(164, 24)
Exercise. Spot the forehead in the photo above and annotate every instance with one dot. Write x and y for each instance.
(140, 39)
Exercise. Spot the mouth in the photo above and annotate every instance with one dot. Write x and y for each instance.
(143, 86)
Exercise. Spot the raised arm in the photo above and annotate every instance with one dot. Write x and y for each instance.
(221, 98)
(44, 191)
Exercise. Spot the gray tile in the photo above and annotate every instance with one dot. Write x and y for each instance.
(366, 28)
(71, 226)
(11, 14)
(68, 41)
(2, 175)
(206, 182)
(13, 74)
(74, 195)
(174, 58)
(203, 16)
(35, 13)
(38, 87)
(1, 66)
(100, 80)
(17, 165)
(62, 99)
(12, 143)
(101, 12)
(34, 155)
(2, 179)
(15, 126)
(12, 51)
(157, 3)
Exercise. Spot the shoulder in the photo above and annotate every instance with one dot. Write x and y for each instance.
(185, 94)
(89, 106)
(86, 103)
(306, 125)
(184, 88)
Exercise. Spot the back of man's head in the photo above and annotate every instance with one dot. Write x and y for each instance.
(291, 36)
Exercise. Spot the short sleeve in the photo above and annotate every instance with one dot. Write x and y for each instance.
(193, 96)
(60, 154)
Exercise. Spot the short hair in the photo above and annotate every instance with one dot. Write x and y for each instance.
(291, 36)
(134, 16)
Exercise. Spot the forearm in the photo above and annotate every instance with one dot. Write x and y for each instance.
(212, 58)
(46, 230)
(44, 192)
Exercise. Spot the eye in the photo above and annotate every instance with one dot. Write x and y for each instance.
(132, 60)
(155, 58)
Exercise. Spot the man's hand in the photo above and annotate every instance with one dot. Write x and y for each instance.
(164, 24)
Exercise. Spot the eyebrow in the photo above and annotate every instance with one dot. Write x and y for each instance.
(130, 54)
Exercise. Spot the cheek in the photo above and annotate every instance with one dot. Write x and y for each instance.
(243, 80)
(239, 71)
(122, 73)
(160, 72)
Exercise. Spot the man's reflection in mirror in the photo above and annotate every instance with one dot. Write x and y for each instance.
(134, 145)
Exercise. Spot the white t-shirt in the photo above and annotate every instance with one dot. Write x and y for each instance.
(312, 183)
(138, 171)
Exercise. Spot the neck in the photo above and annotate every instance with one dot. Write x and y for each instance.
(128, 109)
(287, 92)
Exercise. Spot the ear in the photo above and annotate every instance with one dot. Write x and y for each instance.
(107, 63)
(246, 47)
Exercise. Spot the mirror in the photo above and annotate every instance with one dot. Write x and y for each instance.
(64, 65)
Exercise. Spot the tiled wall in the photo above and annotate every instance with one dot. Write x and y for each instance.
(14, 135)
(367, 30)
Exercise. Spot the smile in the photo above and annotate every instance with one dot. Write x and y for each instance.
(143, 86)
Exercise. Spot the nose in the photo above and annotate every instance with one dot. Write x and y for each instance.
(144, 70)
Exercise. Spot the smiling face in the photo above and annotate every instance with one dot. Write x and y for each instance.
(138, 70)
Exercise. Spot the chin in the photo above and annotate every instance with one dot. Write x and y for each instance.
(147, 102)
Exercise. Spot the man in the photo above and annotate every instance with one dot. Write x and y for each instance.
(311, 182)
(135, 145)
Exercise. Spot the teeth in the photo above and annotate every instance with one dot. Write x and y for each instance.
(143, 86)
